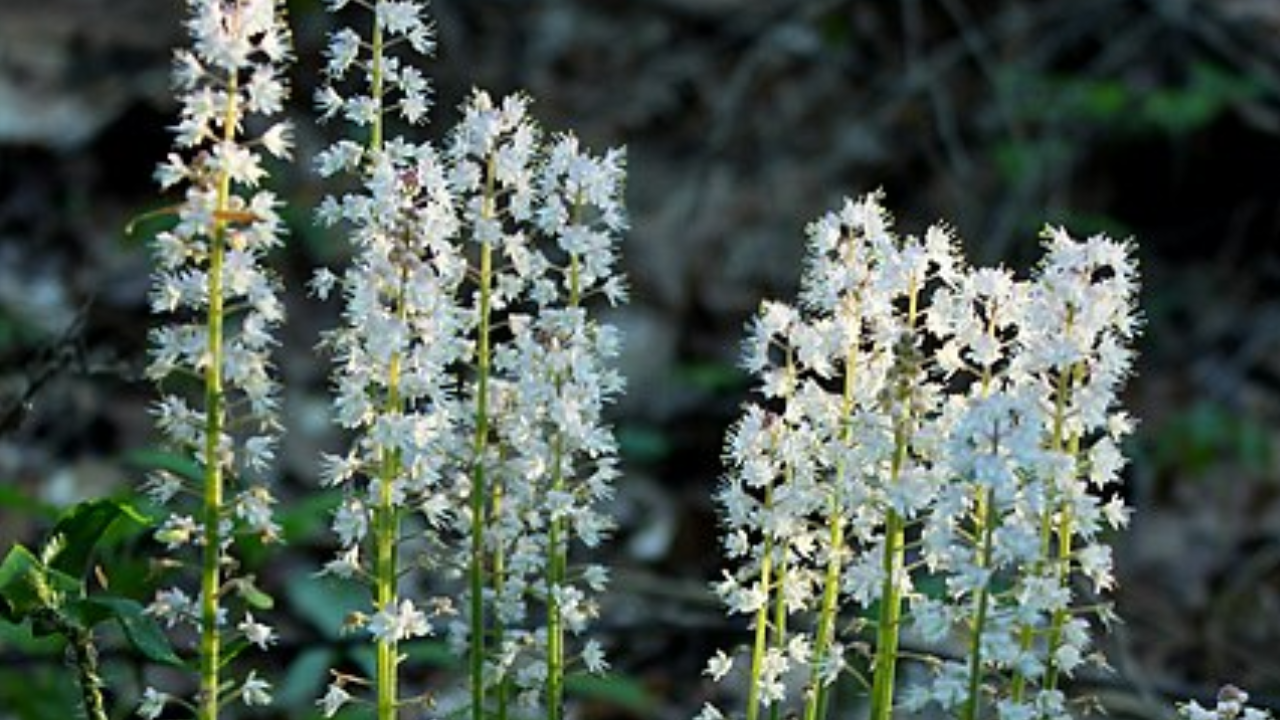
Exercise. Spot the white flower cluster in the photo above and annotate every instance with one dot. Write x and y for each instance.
(401, 334)
(379, 72)
(550, 458)
(1233, 704)
(921, 419)
(217, 297)
(467, 364)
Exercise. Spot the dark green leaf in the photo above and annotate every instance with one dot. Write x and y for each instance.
(153, 459)
(325, 602)
(140, 629)
(643, 443)
(305, 679)
(620, 690)
(435, 653)
(80, 529)
(27, 586)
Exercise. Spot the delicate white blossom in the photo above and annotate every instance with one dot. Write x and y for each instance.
(334, 698)
(908, 388)
(153, 702)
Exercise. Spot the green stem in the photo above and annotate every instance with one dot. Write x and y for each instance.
(479, 479)
(85, 656)
(762, 616)
(386, 515)
(555, 580)
(1059, 615)
(815, 707)
(1064, 531)
(887, 635)
(387, 531)
(986, 527)
(376, 46)
(894, 558)
(502, 691)
(557, 551)
(214, 399)
(779, 619)
(1027, 633)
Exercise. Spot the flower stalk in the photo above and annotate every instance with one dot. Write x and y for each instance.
(210, 266)
(480, 486)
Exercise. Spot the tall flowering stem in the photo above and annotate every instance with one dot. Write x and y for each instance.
(394, 339)
(560, 221)
(1085, 290)
(481, 490)
(210, 267)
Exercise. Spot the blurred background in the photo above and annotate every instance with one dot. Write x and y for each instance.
(743, 120)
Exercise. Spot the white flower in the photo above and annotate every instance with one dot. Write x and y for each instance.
(256, 633)
(718, 666)
(153, 702)
(593, 657)
(322, 283)
(230, 79)
(278, 140)
(255, 690)
(709, 712)
(253, 506)
(351, 522)
(334, 698)
(346, 565)
(172, 606)
(177, 530)
(404, 622)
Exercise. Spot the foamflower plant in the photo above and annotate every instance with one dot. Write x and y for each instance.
(926, 424)
(211, 356)
(472, 376)
(398, 332)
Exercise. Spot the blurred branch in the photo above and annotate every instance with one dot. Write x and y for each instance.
(49, 361)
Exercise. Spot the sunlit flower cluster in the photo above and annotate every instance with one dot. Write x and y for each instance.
(470, 371)
(551, 215)
(925, 421)
(220, 308)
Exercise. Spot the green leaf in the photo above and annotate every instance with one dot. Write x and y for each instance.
(712, 376)
(325, 602)
(27, 586)
(308, 517)
(80, 529)
(154, 459)
(434, 653)
(305, 679)
(619, 690)
(140, 629)
(19, 589)
(643, 444)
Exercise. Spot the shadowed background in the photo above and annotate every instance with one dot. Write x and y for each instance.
(743, 120)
